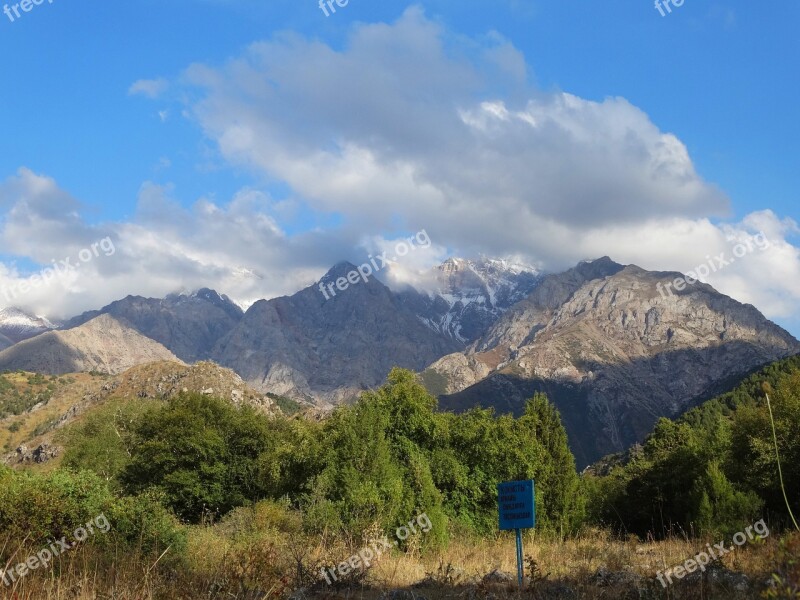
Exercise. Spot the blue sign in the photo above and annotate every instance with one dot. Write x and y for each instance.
(517, 504)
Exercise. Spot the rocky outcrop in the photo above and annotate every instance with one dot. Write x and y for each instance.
(164, 380)
(41, 454)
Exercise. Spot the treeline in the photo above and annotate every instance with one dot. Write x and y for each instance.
(380, 462)
(714, 469)
(153, 467)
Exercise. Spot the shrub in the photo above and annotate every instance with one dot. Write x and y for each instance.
(38, 507)
(198, 453)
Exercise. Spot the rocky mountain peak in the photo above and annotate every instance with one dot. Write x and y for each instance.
(461, 298)
(612, 352)
(189, 325)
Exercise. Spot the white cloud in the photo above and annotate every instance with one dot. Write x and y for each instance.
(406, 127)
(151, 88)
(236, 248)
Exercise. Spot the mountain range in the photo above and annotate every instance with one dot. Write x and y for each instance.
(610, 350)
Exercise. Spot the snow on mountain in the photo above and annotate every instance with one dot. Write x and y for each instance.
(461, 298)
(18, 325)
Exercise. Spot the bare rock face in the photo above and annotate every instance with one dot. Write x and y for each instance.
(462, 298)
(455, 372)
(612, 352)
(330, 349)
(102, 344)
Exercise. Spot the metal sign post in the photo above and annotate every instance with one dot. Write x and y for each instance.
(516, 501)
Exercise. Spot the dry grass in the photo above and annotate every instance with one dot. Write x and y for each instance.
(69, 391)
(229, 562)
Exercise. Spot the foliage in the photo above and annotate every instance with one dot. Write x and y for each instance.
(102, 441)
(714, 469)
(35, 508)
(38, 507)
(369, 467)
(199, 453)
(288, 406)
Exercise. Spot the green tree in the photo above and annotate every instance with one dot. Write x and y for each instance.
(718, 507)
(752, 463)
(556, 478)
(199, 453)
(376, 468)
(101, 442)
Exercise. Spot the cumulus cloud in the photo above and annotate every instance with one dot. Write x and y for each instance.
(237, 248)
(399, 125)
(406, 127)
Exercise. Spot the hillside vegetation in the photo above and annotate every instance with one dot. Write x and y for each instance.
(207, 497)
(714, 468)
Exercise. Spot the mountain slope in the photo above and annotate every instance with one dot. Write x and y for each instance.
(102, 344)
(329, 349)
(73, 396)
(519, 324)
(612, 353)
(5, 342)
(188, 325)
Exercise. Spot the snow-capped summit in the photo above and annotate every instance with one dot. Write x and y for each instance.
(462, 297)
(17, 325)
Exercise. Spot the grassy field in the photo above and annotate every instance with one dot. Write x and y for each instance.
(246, 557)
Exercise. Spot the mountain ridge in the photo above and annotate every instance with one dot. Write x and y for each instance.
(101, 344)
(611, 351)
(630, 354)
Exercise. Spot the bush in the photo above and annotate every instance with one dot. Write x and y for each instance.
(101, 442)
(36, 508)
(198, 453)
(41, 507)
(142, 523)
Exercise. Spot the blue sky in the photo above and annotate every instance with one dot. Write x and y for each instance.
(657, 140)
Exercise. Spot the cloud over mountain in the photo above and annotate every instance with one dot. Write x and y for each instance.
(404, 126)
